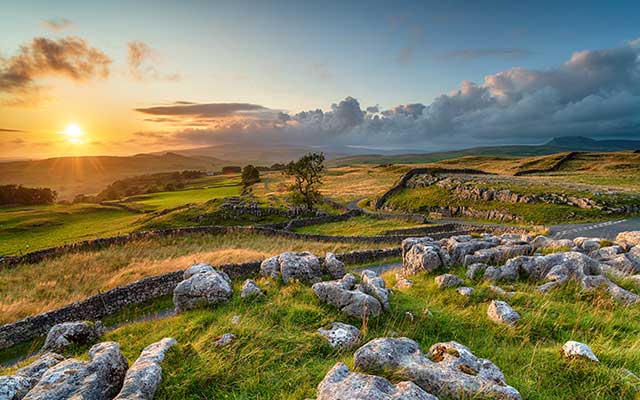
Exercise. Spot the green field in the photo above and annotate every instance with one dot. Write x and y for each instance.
(358, 226)
(278, 355)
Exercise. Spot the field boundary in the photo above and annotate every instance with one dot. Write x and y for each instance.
(109, 302)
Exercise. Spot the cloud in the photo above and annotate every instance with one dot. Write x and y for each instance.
(634, 42)
(143, 63)
(594, 93)
(57, 24)
(70, 57)
(11, 130)
(472, 54)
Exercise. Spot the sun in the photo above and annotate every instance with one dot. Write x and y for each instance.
(74, 133)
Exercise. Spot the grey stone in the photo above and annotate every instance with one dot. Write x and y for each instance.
(447, 281)
(333, 266)
(100, 378)
(225, 340)
(630, 237)
(303, 266)
(609, 252)
(250, 289)
(198, 268)
(202, 289)
(450, 369)
(373, 285)
(465, 291)
(624, 263)
(476, 270)
(145, 375)
(498, 254)
(344, 295)
(501, 312)
(402, 282)
(422, 255)
(341, 336)
(573, 349)
(16, 386)
(619, 294)
(543, 242)
(63, 335)
(536, 268)
(342, 384)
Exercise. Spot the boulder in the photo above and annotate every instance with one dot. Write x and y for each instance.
(422, 255)
(341, 336)
(627, 264)
(304, 267)
(373, 285)
(342, 384)
(629, 237)
(250, 289)
(199, 268)
(449, 369)
(543, 242)
(225, 340)
(573, 349)
(202, 289)
(333, 266)
(145, 375)
(344, 295)
(63, 335)
(461, 246)
(447, 281)
(476, 270)
(497, 255)
(501, 312)
(16, 386)
(536, 268)
(609, 252)
(619, 294)
(100, 378)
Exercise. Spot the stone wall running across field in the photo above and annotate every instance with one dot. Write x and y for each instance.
(114, 300)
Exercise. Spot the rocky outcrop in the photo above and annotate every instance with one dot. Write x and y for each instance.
(564, 265)
(342, 384)
(599, 282)
(16, 386)
(333, 266)
(422, 255)
(145, 375)
(573, 349)
(497, 255)
(543, 242)
(250, 289)
(347, 296)
(461, 246)
(502, 313)
(61, 336)
(304, 267)
(205, 287)
(341, 336)
(449, 369)
(100, 378)
(629, 237)
(373, 285)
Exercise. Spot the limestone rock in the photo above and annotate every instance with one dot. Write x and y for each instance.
(625, 263)
(202, 289)
(461, 246)
(630, 237)
(476, 270)
(422, 255)
(573, 349)
(304, 267)
(447, 281)
(373, 285)
(619, 294)
(225, 340)
(402, 282)
(100, 378)
(609, 252)
(79, 332)
(452, 372)
(199, 268)
(16, 386)
(342, 384)
(501, 312)
(500, 291)
(250, 289)
(333, 266)
(145, 375)
(341, 336)
(543, 242)
(465, 291)
(577, 265)
(344, 295)
(498, 254)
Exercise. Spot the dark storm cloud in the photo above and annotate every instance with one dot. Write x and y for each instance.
(595, 93)
(70, 57)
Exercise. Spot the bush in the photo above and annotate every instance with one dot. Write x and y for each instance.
(250, 175)
(15, 194)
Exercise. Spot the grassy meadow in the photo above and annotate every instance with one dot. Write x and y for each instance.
(29, 289)
(278, 355)
(362, 225)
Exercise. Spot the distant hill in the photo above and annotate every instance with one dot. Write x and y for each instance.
(73, 175)
(556, 145)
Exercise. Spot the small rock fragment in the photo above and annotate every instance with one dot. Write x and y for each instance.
(573, 349)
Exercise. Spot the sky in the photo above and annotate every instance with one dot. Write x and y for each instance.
(88, 78)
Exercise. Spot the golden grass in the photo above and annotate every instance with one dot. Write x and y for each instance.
(34, 288)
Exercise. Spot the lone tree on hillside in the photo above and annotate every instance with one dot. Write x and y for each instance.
(250, 175)
(307, 174)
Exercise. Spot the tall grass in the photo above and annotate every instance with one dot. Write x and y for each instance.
(28, 289)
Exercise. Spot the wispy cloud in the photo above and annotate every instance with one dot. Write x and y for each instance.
(143, 63)
(474, 53)
(11, 130)
(70, 57)
(57, 24)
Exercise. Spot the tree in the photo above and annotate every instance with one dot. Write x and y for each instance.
(307, 175)
(250, 175)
